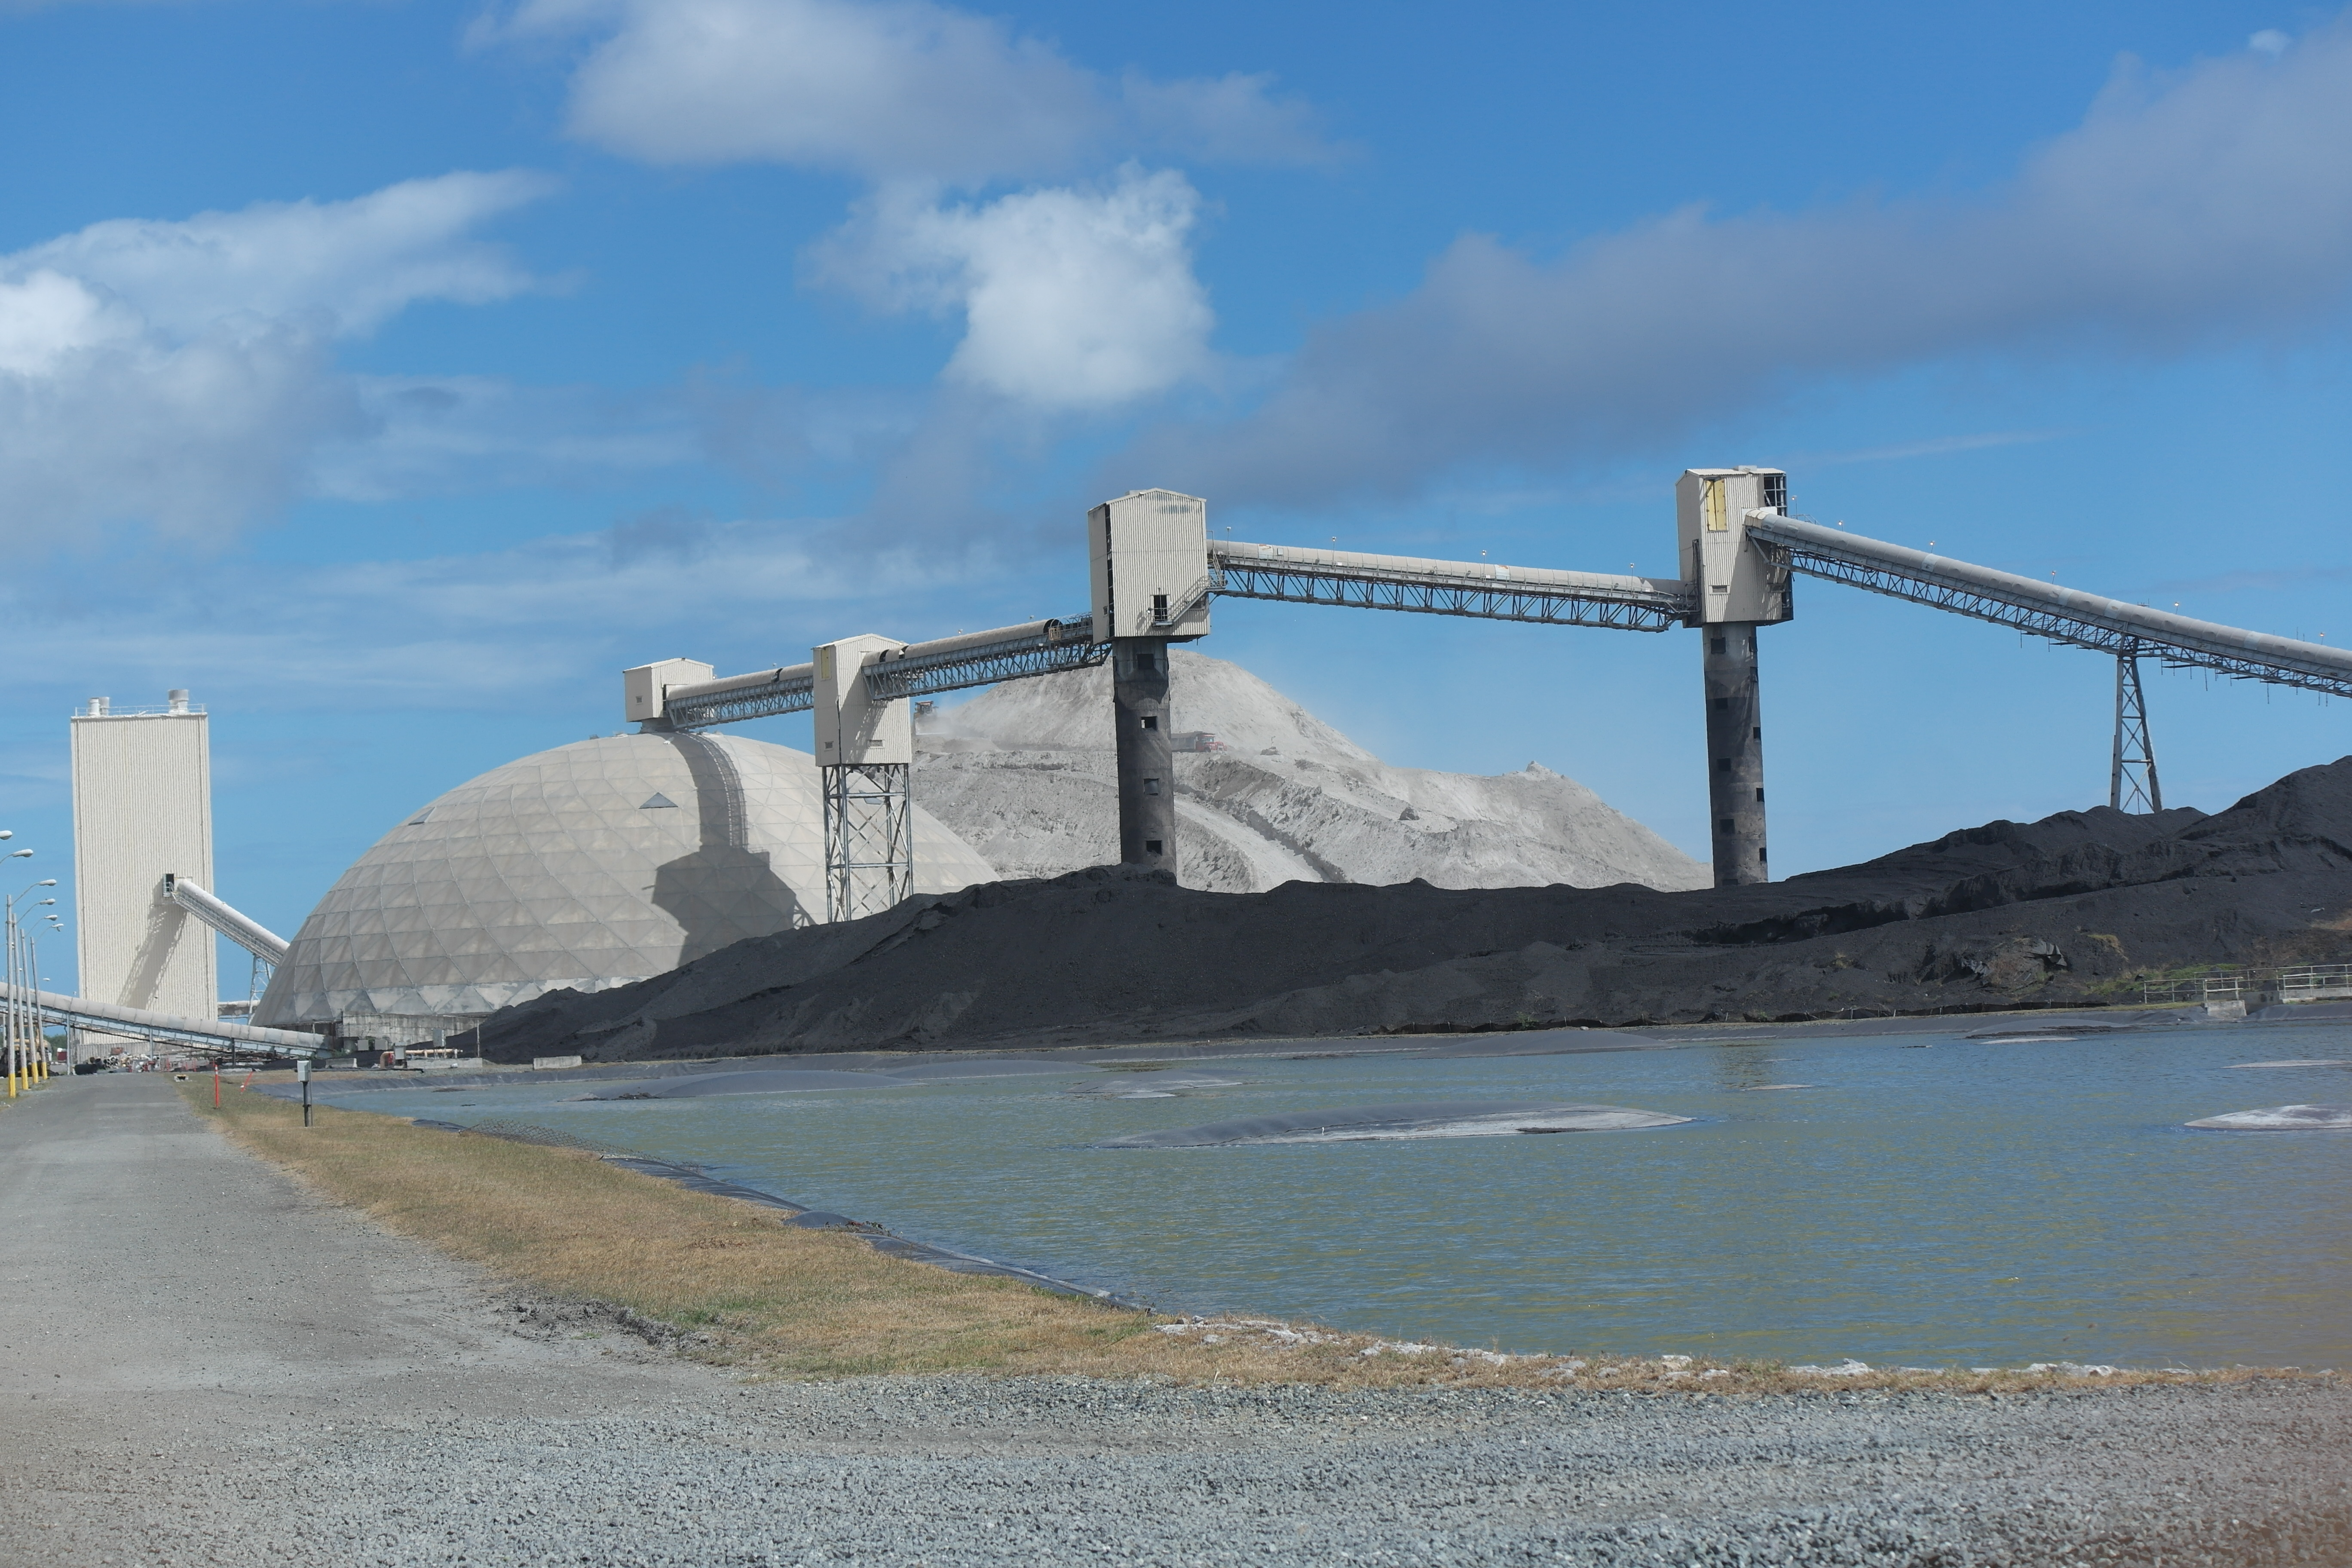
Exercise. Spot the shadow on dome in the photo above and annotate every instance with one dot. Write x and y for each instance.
(711, 892)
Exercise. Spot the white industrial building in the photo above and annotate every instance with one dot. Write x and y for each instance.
(142, 811)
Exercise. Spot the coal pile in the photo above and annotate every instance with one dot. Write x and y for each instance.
(2063, 911)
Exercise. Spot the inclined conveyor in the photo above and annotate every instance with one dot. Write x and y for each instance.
(1155, 570)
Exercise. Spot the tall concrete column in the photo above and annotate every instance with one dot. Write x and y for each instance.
(1147, 760)
(1735, 752)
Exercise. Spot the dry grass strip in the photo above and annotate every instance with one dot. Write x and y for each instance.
(781, 1302)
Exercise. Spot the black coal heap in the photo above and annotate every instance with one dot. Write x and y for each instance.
(2005, 915)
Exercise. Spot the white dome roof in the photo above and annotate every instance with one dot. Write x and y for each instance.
(590, 865)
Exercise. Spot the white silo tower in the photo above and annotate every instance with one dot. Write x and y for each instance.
(142, 808)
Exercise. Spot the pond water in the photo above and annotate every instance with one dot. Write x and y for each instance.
(1927, 1200)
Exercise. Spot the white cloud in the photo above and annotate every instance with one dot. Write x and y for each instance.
(439, 435)
(179, 376)
(2211, 203)
(193, 438)
(1072, 299)
(901, 89)
(46, 316)
(544, 619)
(1932, 447)
(352, 264)
(1230, 119)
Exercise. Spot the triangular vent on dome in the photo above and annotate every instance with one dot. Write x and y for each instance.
(657, 802)
(419, 817)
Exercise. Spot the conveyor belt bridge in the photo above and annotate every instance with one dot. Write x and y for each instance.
(1155, 570)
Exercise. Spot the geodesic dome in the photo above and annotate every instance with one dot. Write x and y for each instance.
(589, 866)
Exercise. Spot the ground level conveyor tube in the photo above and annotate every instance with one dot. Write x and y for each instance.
(165, 1028)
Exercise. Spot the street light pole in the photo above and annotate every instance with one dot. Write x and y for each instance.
(65, 1050)
(39, 1037)
(16, 1076)
(15, 1004)
(21, 1008)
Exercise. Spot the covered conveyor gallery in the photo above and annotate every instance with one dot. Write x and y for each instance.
(1154, 571)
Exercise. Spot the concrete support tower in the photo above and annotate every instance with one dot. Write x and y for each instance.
(1735, 752)
(1146, 762)
(142, 811)
(1737, 589)
(1149, 554)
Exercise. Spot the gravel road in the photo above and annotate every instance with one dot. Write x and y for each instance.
(210, 1366)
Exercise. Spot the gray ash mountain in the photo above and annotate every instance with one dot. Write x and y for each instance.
(1266, 793)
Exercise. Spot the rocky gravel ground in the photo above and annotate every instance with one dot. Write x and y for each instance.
(972, 1472)
(209, 1367)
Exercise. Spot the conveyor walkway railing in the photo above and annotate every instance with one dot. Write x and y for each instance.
(1492, 591)
(944, 664)
(2047, 610)
(1155, 566)
(983, 658)
(789, 688)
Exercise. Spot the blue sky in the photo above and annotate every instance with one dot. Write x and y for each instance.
(393, 374)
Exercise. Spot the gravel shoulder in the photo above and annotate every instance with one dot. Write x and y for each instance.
(212, 1366)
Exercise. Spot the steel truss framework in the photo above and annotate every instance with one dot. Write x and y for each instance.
(791, 694)
(1491, 599)
(869, 839)
(1039, 648)
(2133, 786)
(2115, 636)
(1051, 647)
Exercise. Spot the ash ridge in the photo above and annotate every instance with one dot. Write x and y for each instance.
(1026, 774)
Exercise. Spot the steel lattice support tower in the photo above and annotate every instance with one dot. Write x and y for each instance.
(2134, 786)
(869, 839)
(864, 754)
